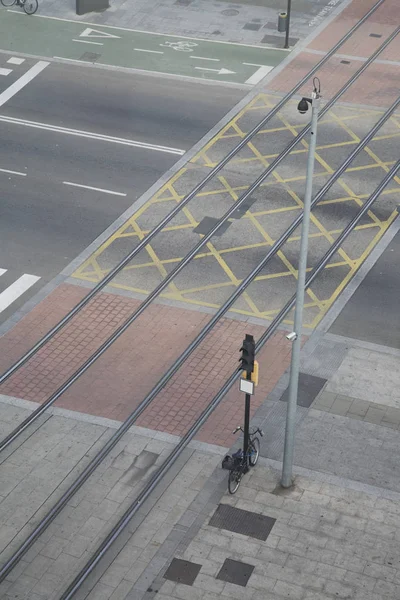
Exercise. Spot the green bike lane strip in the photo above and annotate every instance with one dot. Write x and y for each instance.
(114, 46)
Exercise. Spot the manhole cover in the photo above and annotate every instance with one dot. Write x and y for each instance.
(182, 571)
(90, 56)
(235, 572)
(230, 12)
(242, 521)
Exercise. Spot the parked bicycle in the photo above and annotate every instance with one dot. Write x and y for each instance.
(238, 464)
(29, 6)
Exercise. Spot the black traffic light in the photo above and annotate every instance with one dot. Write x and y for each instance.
(248, 353)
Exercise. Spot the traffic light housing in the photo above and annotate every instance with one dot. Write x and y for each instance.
(248, 351)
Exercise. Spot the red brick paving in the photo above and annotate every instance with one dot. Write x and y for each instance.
(380, 83)
(121, 378)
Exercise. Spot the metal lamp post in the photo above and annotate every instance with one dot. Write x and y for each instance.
(314, 101)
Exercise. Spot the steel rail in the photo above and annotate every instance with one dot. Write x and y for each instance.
(171, 459)
(50, 334)
(191, 254)
(90, 468)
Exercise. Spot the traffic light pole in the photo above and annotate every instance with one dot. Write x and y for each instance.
(246, 425)
(286, 480)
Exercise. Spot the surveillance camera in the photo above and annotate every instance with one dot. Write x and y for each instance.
(291, 336)
(302, 106)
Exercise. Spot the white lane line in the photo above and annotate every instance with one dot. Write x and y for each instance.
(12, 172)
(5, 71)
(93, 136)
(15, 61)
(95, 189)
(72, 59)
(2, 271)
(204, 58)
(16, 289)
(151, 51)
(258, 75)
(88, 42)
(22, 81)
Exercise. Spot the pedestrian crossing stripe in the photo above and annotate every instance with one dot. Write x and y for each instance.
(16, 289)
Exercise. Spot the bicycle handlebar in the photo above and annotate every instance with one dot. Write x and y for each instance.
(257, 430)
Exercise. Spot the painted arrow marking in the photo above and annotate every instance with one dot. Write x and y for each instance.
(94, 33)
(219, 71)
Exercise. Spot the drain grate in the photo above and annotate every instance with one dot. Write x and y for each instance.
(208, 223)
(235, 572)
(90, 56)
(242, 521)
(376, 35)
(182, 571)
(309, 388)
(345, 62)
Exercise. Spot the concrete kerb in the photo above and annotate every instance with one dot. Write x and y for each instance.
(70, 268)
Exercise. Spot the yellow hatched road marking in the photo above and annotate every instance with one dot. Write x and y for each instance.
(91, 270)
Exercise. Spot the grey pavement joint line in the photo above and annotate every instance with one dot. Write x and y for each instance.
(110, 444)
(185, 200)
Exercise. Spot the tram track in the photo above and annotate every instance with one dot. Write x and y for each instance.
(128, 515)
(176, 270)
(34, 536)
(97, 460)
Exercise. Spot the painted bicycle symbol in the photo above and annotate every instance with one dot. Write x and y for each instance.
(181, 46)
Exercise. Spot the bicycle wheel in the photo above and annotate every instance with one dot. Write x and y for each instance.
(254, 451)
(234, 481)
(31, 6)
(8, 3)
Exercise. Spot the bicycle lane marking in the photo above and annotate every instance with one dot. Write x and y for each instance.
(132, 49)
(15, 87)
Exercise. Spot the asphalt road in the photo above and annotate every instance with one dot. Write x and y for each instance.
(372, 313)
(60, 129)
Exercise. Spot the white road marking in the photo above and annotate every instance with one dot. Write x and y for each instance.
(181, 37)
(2, 271)
(204, 58)
(89, 42)
(22, 81)
(12, 172)
(258, 75)
(98, 34)
(88, 187)
(16, 289)
(85, 62)
(219, 71)
(151, 51)
(5, 71)
(15, 61)
(93, 136)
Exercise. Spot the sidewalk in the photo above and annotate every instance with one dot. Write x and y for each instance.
(246, 22)
(335, 533)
